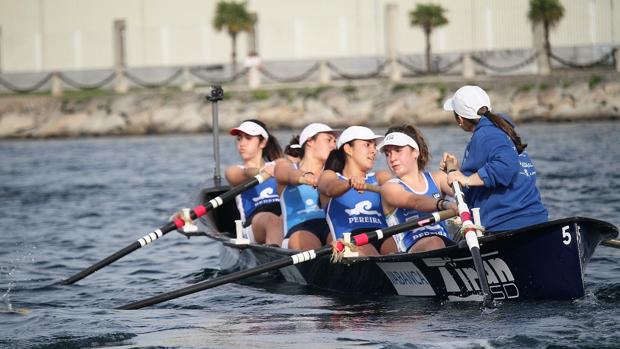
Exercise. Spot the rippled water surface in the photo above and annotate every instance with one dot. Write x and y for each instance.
(67, 203)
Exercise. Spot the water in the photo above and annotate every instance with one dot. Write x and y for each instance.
(67, 203)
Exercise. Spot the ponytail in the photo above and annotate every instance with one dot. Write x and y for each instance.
(272, 150)
(505, 126)
(292, 150)
(336, 160)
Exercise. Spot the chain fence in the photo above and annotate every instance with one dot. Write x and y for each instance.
(505, 69)
(481, 60)
(411, 67)
(301, 77)
(165, 82)
(439, 70)
(351, 76)
(14, 88)
(84, 86)
(212, 80)
(606, 58)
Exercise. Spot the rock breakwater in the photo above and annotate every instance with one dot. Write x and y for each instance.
(373, 103)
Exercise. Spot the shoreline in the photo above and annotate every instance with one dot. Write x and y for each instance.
(564, 96)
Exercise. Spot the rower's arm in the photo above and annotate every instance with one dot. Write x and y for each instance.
(383, 176)
(286, 174)
(441, 179)
(236, 175)
(332, 186)
(395, 195)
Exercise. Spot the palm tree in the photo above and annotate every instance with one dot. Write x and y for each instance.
(429, 17)
(234, 17)
(548, 13)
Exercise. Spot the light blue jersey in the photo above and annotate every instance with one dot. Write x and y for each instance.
(400, 215)
(353, 210)
(256, 197)
(300, 203)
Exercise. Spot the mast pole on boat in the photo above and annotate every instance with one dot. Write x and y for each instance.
(216, 94)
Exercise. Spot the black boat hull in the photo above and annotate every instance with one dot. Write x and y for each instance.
(544, 261)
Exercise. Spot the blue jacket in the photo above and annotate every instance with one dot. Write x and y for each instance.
(509, 198)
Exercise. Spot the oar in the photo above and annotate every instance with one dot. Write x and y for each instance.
(298, 258)
(177, 223)
(611, 243)
(472, 240)
(370, 187)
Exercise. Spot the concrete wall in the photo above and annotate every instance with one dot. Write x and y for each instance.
(45, 35)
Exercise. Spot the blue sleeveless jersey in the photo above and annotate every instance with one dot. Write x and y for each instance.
(353, 210)
(400, 215)
(300, 203)
(257, 196)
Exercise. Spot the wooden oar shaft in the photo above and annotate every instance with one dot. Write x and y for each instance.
(286, 261)
(177, 223)
(611, 243)
(370, 187)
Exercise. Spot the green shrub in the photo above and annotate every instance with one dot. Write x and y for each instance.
(349, 89)
(312, 93)
(260, 95)
(594, 80)
(525, 88)
(399, 87)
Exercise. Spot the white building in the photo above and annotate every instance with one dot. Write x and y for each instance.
(48, 35)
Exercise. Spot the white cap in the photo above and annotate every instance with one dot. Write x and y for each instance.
(251, 128)
(311, 131)
(356, 132)
(467, 100)
(399, 139)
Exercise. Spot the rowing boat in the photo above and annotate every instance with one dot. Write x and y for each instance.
(543, 261)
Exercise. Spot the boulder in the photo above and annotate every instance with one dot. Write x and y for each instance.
(16, 125)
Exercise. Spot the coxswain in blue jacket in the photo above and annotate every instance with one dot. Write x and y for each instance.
(414, 190)
(349, 207)
(497, 174)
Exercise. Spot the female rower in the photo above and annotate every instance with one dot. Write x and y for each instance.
(414, 190)
(496, 173)
(259, 206)
(349, 207)
(304, 220)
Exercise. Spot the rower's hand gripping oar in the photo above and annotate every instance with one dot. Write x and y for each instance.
(176, 223)
(360, 239)
(471, 237)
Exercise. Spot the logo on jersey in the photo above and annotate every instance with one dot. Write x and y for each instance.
(265, 194)
(311, 207)
(362, 207)
(362, 214)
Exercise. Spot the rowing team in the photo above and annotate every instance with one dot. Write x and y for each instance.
(320, 189)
